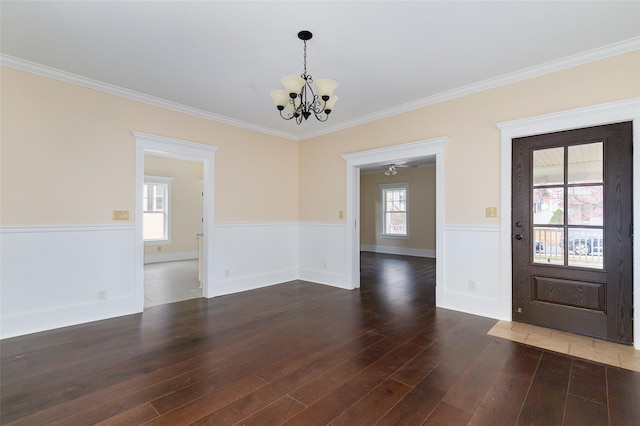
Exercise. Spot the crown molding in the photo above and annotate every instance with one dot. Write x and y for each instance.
(593, 55)
(67, 77)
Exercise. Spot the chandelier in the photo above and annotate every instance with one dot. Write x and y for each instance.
(299, 97)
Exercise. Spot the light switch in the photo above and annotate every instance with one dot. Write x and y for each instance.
(120, 215)
(341, 214)
(491, 212)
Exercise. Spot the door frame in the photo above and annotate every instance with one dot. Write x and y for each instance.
(181, 150)
(406, 152)
(608, 113)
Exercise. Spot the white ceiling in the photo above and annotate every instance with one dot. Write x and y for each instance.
(220, 59)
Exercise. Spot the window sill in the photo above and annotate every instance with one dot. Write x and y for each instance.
(156, 242)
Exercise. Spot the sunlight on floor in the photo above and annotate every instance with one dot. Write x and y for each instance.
(571, 344)
(169, 282)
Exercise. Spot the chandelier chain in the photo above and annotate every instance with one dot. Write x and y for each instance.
(304, 73)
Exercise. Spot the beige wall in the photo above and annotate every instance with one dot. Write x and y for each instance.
(422, 208)
(472, 153)
(186, 202)
(73, 148)
(68, 157)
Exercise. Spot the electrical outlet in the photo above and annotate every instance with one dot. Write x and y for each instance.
(159, 248)
(102, 294)
(472, 285)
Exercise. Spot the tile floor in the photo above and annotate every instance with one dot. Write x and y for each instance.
(168, 282)
(571, 344)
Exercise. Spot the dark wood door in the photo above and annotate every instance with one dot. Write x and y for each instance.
(572, 231)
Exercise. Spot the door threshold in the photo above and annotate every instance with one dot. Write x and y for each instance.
(584, 347)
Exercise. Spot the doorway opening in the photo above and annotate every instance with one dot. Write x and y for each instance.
(572, 216)
(159, 146)
(614, 112)
(431, 150)
(172, 226)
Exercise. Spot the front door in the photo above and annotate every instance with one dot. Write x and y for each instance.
(572, 231)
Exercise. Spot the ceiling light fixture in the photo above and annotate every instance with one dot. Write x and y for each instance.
(391, 170)
(298, 94)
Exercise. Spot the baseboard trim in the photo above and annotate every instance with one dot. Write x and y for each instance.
(470, 304)
(36, 321)
(403, 251)
(170, 257)
(324, 277)
(251, 282)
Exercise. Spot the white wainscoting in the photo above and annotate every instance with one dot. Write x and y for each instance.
(53, 277)
(403, 251)
(323, 254)
(472, 253)
(253, 255)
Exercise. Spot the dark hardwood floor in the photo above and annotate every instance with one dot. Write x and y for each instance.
(307, 354)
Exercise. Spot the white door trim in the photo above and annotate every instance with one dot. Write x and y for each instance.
(614, 112)
(178, 149)
(405, 152)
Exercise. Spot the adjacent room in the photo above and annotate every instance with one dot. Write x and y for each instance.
(267, 212)
(172, 229)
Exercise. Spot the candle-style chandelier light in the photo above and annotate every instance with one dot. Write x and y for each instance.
(299, 97)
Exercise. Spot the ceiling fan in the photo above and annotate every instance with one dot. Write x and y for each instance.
(392, 169)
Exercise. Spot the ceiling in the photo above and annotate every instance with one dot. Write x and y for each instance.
(220, 59)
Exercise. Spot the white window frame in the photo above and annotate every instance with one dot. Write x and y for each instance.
(393, 186)
(162, 180)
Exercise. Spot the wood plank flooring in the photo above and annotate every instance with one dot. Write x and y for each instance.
(169, 282)
(307, 354)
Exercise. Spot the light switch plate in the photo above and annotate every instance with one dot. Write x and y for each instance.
(491, 212)
(120, 215)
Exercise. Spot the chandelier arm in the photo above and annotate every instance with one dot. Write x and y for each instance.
(286, 118)
(314, 105)
(320, 117)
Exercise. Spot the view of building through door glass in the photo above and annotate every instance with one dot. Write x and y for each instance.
(568, 208)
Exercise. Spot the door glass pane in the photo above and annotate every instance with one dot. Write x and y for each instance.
(548, 245)
(585, 205)
(584, 163)
(548, 166)
(585, 247)
(548, 206)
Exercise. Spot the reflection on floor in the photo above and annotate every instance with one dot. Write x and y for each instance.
(169, 282)
(397, 279)
(570, 344)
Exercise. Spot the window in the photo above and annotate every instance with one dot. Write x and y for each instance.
(394, 209)
(155, 207)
